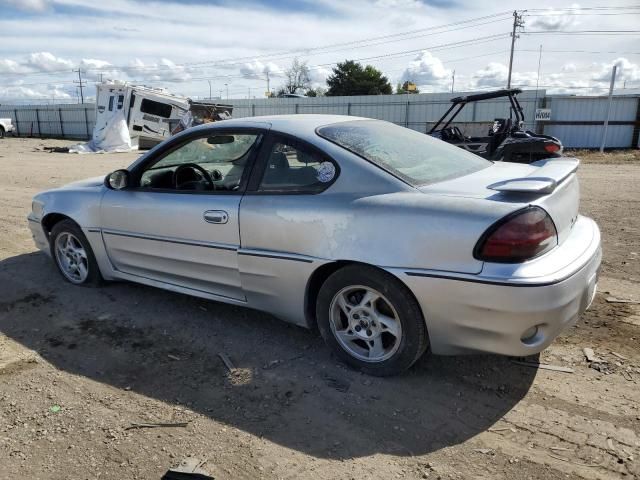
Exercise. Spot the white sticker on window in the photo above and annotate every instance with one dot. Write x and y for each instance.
(326, 172)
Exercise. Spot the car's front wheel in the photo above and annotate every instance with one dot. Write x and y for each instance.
(371, 320)
(72, 254)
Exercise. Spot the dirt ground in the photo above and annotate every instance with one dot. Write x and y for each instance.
(80, 367)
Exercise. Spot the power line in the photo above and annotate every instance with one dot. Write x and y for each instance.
(577, 14)
(580, 51)
(582, 9)
(225, 62)
(583, 32)
(366, 42)
(440, 47)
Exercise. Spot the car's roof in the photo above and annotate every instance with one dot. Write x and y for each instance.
(298, 123)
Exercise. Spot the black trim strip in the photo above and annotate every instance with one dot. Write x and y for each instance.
(179, 242)
(32, 220)
(275, 255)
(488, 282)
(93, 230)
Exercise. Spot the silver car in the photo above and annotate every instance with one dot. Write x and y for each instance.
(388, 240)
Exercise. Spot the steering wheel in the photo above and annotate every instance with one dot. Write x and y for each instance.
(201, 172)
(459, 133)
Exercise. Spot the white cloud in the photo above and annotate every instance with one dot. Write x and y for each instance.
(27, 5)
(257, 69)
(555, 19)
(493, 75)
(399, 4)
(11, 66)
(318, 76)
(626, 70)
(163, 71)
(47, 62)
(75, 30)
(427, 70)
(26, 93)
(95, 70)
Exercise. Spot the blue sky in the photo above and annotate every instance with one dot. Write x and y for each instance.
(189, 45)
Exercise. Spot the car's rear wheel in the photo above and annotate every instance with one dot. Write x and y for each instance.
(371, 320)
(1, 132)
(72, 254)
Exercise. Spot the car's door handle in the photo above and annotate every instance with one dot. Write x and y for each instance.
(216, 216)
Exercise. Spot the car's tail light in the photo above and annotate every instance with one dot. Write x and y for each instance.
(520, 236)
(551, 147)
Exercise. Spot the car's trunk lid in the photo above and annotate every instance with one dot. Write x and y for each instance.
(551, 184)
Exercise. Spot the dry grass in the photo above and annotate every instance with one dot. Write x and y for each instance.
(614, 157)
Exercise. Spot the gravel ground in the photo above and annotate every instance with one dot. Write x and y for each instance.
(79, 367)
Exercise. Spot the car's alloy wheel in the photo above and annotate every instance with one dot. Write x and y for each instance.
(73, 255)
(371, 320)
(365, 323)
(72, 258)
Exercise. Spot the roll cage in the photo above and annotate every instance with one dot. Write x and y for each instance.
(460, 103)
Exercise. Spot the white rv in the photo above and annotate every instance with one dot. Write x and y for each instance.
(151, 113)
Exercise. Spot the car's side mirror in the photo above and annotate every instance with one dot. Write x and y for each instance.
(117, 180)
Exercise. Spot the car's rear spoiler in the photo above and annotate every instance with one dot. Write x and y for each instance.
(549, 174)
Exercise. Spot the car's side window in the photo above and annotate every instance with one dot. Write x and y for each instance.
(293, 167)
(215, 162)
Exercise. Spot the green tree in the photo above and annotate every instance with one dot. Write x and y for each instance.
(316, 92)
(351, 78)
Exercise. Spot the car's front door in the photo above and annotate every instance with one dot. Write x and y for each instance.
(179, 223)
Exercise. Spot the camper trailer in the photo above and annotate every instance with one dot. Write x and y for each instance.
(149, 112)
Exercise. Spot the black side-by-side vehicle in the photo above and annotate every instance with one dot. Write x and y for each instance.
(506, 139)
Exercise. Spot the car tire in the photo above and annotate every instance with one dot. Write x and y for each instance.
(1, 132)
(371, 320)
(72, 254)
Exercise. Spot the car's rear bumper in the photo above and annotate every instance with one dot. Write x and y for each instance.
(37, 232)
(492, 313)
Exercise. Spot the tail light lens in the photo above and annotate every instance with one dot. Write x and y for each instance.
(523, 235)
(551, 147)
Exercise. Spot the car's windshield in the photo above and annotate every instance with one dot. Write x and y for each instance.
(209, 150)
(415, 157)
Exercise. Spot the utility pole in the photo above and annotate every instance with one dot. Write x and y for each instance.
(227, 85)
(535, 102)
(81, 83)
(209, 89)
(268, 89)
(606, 122)
(517, 22)
(453, 79)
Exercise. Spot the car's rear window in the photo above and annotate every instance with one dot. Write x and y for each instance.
(415, 157)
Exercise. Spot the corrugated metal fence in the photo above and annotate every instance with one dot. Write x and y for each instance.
(51, 121)
(577, 121)
(418, 112)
